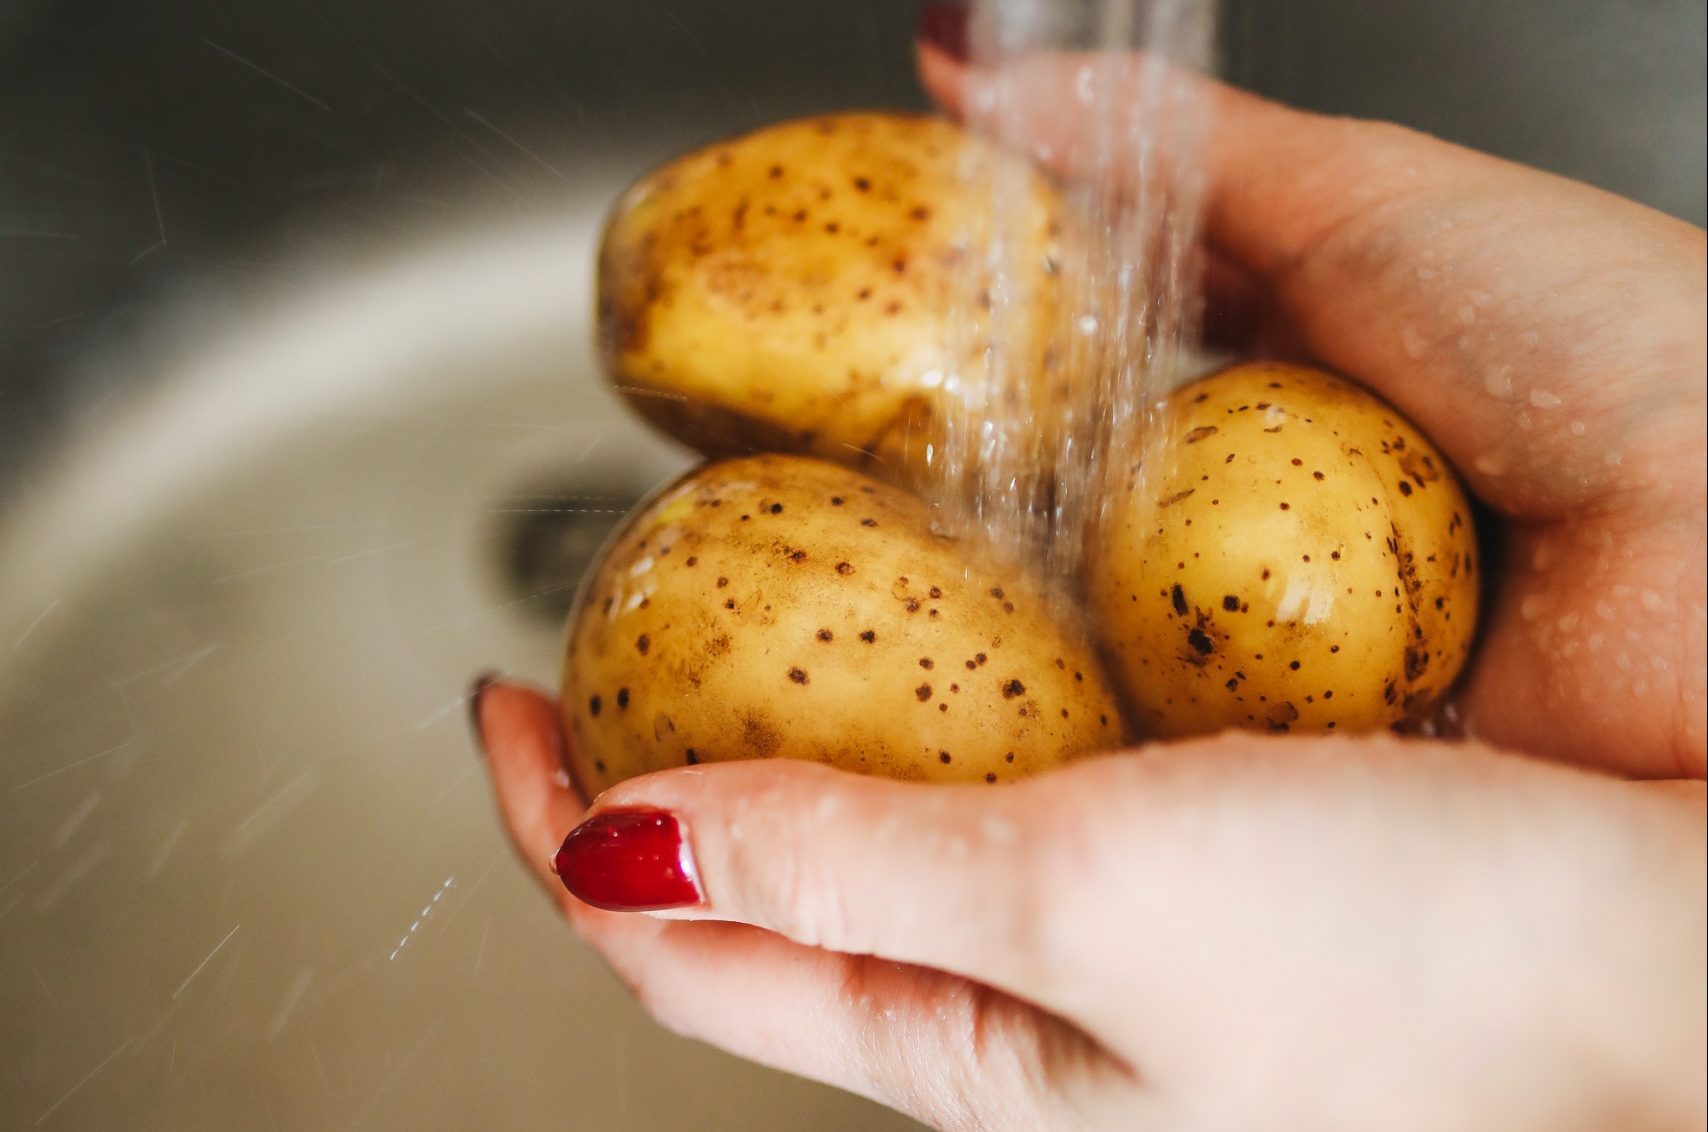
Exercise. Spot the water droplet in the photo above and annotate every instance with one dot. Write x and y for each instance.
(1543, 399)
(1498, 382)
(1414, 344)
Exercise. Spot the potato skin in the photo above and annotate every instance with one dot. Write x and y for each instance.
(801, 288)
(1299, 558)
(782, 606)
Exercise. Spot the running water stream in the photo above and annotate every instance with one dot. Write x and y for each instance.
(1063, 366)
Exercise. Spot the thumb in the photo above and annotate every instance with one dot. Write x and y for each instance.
(936, 876)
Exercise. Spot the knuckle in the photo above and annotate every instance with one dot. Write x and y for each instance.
(985, 1043)
(1058, 886)
(782, 876)
(801, 898)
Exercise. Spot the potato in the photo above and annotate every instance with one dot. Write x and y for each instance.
(777, 605)
(806, 288)
(1298, 557)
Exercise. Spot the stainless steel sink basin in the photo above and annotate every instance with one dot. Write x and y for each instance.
(299, 429)
(253, 874)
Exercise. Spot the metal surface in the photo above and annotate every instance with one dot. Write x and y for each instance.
(299, 430)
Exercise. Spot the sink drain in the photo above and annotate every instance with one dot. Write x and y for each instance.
(550, 535)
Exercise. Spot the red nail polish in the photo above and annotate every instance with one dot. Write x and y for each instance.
(477, 691)
(628, 861)
(944, 27)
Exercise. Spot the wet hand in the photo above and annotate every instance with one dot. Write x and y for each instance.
(1235, 933)
(1548, 336)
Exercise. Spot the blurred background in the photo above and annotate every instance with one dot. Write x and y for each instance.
(299, 429)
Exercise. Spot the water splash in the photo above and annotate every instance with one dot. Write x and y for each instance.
(1051, 409)
(421, 918)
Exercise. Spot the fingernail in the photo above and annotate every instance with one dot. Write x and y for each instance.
(477, 692)
(628, 861)
(944, 27)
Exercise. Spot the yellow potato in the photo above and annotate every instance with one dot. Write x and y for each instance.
(808, 287)
(1297, 557)
(783, 606)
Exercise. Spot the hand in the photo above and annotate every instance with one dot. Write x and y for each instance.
(1250, 932)
(1548, 336)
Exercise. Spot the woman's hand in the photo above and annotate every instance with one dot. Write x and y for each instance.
(1250, 932)
(1548, 336)
(1237, 933)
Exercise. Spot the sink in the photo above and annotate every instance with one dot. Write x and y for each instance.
(300, 429)
(253, 875)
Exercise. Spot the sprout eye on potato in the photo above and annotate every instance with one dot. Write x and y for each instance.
(784, 606)
(806, 288)
(1300, 558)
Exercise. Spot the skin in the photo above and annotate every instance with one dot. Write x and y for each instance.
(1280, 932)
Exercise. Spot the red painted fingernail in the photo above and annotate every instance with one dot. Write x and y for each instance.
(944, 27)
(477, 691)
(628, 861)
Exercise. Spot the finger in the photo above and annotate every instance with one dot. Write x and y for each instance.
(935, 876)
(941, 1049)
(1458, 285)
(520, 732)
(1240, 314)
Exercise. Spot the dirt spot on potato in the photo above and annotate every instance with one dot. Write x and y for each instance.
(1282, 715)
(760, 736)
